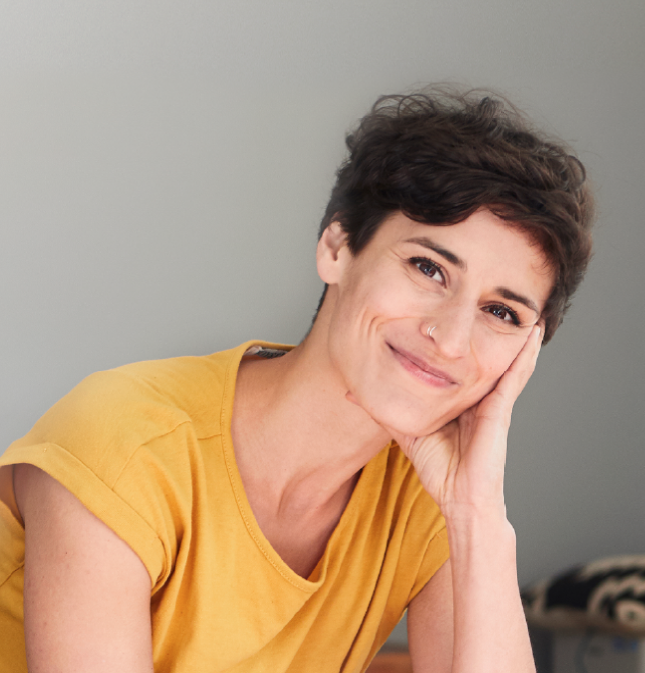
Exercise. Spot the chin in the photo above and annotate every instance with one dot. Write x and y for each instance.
(411, 420)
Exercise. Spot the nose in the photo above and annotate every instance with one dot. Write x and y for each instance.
(451, 330)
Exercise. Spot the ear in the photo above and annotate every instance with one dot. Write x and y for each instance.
(331, 253)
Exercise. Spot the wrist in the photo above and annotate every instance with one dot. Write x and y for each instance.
(480, 527)
(480, 537)
(463, 513)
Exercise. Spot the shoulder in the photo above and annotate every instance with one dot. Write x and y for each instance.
(125, 443)
(134, 403)
(402, 505)
(418, 527)
(102, 423)
(402, 481)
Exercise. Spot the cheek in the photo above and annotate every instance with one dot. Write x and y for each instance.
(496, 358)
(376, 300)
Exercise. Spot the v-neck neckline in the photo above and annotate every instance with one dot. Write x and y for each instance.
(317, 575)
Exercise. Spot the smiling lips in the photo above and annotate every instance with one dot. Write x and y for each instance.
(423, 371)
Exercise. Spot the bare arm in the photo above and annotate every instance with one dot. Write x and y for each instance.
(489, 619)
(87, 594)
(431, 624)
(470, 612)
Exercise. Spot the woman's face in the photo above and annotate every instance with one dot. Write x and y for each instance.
(479, 285)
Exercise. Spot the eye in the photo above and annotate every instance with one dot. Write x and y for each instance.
(429, 268)
(504, 313)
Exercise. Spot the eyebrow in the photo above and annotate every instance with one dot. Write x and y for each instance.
(513, 296)
(461, 264)
(446, 254)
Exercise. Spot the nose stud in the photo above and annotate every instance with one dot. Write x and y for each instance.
(430, 330)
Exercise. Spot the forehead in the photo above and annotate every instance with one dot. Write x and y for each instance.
(482, 232)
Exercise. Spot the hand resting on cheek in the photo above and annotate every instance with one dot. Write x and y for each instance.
(462, 464)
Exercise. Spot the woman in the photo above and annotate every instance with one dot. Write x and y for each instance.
(278, 509)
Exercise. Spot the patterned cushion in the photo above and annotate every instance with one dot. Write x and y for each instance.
(608, 595)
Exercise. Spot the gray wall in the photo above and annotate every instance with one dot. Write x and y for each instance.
(164, 165)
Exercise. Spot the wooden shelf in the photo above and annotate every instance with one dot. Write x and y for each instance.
(391, 662)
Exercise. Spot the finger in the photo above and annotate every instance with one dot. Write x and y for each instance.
(517, 375)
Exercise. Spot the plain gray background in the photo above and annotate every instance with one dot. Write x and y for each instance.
(164, 166)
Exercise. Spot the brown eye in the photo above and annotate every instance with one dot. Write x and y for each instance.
(429, 268)
(504, 314)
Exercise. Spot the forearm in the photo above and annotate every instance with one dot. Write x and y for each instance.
(490, 632)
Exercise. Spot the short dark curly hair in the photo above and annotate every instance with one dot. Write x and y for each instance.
(439, 155)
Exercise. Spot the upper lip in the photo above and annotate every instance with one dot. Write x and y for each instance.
(422, 364)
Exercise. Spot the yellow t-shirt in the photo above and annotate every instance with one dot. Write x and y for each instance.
(147, 448)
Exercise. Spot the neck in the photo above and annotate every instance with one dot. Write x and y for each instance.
(297, 437)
